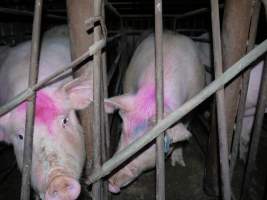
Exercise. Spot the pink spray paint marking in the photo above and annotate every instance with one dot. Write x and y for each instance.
(144, 108)
(46, 110)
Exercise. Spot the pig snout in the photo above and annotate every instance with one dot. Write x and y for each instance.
(63, 188)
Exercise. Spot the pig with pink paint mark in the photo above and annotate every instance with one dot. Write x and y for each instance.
(183, 78)
(58, 143)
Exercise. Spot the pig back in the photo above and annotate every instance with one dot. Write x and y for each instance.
(183, 72)
(14, 71)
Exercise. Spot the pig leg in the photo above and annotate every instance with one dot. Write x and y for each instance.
(177, 157)
(178, 133)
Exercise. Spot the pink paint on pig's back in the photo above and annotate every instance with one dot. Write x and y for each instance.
(46, 110)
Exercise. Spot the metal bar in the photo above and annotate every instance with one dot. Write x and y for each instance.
(222, 126)
(160, 164)
(245, 81)
(176, 16)
(97, 122)
(112, 8)
(134, 147)
(255, 137)
(29, 126)
(106, 134)
(114, 67)
(29, 92)
(28, 13)
(140, 31)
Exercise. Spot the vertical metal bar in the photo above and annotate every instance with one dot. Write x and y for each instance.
(160, 164)
(222, 128)
(105, 136)
(245, 81)
(29, 127)
(253, 150)
(97, 123)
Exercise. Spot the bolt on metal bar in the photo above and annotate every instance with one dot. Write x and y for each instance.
(29, 126)
(160, 158)
(245, 82)
(255, 137)
(221, 118)
(134, 147)
(29, 92)
(97, 123)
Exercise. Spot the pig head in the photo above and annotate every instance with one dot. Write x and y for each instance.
(183, 78)
(58, 142)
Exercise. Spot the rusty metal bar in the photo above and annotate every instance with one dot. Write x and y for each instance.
(222, 127)
(29, 126)
(160, 164)
(97, 122)
(255, 137)
(29, 92)
(245, 82)
(28, 13)
(134, 147)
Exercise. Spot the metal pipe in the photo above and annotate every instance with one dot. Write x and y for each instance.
(28, 13)
(29, 126)
(106, 134)
(255, 137)
(112, 8)
(176, 16)
(97, 122)
(160, 164)
(29, 92)
(222, 126)
(245, 81)
(134, 147)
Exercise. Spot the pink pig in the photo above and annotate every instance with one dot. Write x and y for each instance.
(183, 78)
(58, 144)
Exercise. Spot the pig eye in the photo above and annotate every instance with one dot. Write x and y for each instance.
(20, 137)
(64, 122)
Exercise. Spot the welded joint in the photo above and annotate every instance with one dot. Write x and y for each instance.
(90, 23)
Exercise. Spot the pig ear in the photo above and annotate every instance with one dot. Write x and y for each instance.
(79, 92)
(122, 102)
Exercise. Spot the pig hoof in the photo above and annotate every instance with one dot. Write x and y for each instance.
(113, 188)
(177, 157)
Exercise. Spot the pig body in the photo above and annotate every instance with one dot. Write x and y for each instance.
(58, 144)
(183, 78)
(252, 94)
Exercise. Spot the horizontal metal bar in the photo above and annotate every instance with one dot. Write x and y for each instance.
(134, 147)
(28, 92)
(28, 13)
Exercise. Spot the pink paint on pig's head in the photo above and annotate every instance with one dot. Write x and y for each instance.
(141, 112)
(46, 110)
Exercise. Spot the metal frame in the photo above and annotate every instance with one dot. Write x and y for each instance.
(157, 131)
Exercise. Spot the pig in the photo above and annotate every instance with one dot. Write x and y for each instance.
(183, 78)
(252, 95)
(58, 142)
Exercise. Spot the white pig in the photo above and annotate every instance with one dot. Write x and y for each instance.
(183, 78)
(252, 95)
(58, 143)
